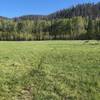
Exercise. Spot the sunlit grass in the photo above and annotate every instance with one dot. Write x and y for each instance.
(50, 70)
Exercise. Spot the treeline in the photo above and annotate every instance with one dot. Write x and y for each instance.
(70, 28)
(65, 27)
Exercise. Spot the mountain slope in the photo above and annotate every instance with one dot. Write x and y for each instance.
(84, 10)
(30, 17)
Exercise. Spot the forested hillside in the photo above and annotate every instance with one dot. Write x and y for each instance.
(80, 22)
(85, 10)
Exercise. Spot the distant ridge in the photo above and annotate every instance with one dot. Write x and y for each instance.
(90, 10)
(30, 17)
(1, 17)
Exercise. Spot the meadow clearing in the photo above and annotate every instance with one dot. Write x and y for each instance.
(50, 70)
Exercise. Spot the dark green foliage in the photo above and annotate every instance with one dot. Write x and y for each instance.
(85, 10)
(74, 28)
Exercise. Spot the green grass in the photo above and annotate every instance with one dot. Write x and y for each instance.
(50, 70)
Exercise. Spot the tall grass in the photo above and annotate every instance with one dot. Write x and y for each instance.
(50, 70)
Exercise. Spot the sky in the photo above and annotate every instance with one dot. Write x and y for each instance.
(14, 8)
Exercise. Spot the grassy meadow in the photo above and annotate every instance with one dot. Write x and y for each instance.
(50, 70)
